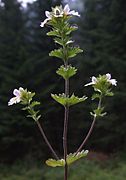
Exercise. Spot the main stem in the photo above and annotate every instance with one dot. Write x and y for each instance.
(46, 140)
(66, 114)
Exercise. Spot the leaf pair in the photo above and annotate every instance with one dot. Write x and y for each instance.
(71, 158)
(66, 72)
(66, 100)
(69, 53)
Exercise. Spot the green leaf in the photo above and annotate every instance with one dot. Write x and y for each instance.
(74, 157)
(63, 42)
(34, 103)
(59, 41)
(71, 29)
(95, 96)
(66, 100)
(73, 51)
(55, 163)
(66, 72)
(57, 53)
(54, 33)
(98, 112)
(71, 158)
(109, 93)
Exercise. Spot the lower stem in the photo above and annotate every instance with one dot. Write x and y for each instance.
(65, 142)
(46, 140)
(66, 127)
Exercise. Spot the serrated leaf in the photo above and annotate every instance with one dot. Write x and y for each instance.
(73, 51)
(57, 53)
(35, 103)
(59, 41)
(66, 100)
(71, 158)
(25, 108)
(71, 29)
(54, 33)
(63, 42)
(55, 163)
(108, 93)
(66, 72)
(98, 112)
(95, 96)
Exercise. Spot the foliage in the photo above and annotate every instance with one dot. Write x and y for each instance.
(23, 51)
(72, 157)
(68, 101)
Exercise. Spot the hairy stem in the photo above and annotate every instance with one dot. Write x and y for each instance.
(46, 140)
(87, 136)
(66, 114)
(91, 128)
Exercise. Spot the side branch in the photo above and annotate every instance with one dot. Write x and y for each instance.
(46, 140)
(88, 135)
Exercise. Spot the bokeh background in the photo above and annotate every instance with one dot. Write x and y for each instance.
(24, 62)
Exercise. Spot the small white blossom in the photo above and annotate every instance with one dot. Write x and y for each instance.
(111, 81)
(68, 12)
(17, 97)
(93, 81)
(58, 11)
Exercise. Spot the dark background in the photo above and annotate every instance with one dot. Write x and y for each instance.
(24, 62)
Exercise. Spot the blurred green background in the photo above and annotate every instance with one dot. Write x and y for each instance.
(24, 61)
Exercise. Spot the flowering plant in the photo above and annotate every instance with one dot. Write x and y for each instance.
(61, 29)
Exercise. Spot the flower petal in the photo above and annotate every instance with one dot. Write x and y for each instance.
(68, 42)
(13, 100)
(48, 15)
(94, 79)
(66, 9)
(108, 75)
(74, 13)
(21, 89)
(44, 22)
(91, 83)
(16, 92)
(113, 82)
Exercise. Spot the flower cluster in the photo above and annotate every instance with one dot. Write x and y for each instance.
(102, 84)
(57, 12)
(107, 78)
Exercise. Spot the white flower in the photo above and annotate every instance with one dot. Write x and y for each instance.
(68, 12)
(93, 81)
(111, 81)
(58, 11)
(49, 17)
(17, 97)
